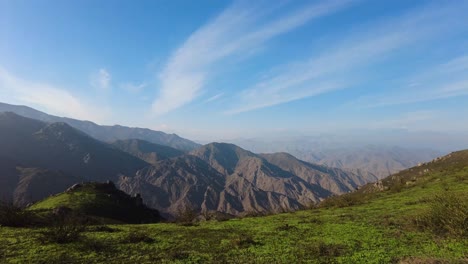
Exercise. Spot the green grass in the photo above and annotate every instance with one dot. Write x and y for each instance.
(103, 202)
(74, 200)
(380, 229)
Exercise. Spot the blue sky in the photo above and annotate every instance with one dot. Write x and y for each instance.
(226, 69)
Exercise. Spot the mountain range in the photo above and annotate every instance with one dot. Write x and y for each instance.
(368, 160)
(39, 159)
(42, 155)
(105, 133)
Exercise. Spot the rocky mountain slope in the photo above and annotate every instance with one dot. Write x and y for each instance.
(147, 151)
(225, 178)
(333, 179)
(105, 133)
(23, 185)
(38, 159)
(369, 161)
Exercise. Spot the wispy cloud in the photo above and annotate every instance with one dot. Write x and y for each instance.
(447, 80)
(101, 79)
(234, 31)
(333, 69)
(49, 98)
(133, 87)
(214, 98)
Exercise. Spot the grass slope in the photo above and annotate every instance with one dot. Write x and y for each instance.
(378, 227)
(101, 200)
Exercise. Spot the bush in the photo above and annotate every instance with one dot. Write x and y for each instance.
(65, 230)
(186, 215)
(136, 236)
(286, 227)
(344, 200)
(447, 215)
(244, 241)
(14, 216)
(321, 252)
(102, 228)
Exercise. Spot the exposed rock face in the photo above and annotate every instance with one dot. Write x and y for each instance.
(334, 180)
(230, 180)
(147, 151)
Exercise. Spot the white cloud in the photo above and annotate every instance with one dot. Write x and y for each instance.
(48, 98)
(333, 69)
(101, 79)
(233, 32)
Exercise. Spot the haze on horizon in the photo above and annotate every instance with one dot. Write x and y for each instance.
(213, 70)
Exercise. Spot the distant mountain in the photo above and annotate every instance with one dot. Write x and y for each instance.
(58, 146)
(228, 179)
(368, 161)
(105, 133)
(23, 185)
(373, 160)
(333, 179)
(102, 201)
(452, 167)
(147, 151)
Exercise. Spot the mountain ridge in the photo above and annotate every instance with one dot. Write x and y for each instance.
(105, 133)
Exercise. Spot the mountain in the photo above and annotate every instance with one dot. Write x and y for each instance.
(368, 161)
(38, 159)
(228, 179)
(105, 133)
(147, 151)
(336, 180)
(173, 185)
(234, 161)
(58, 146)
(102, 201)
(23, 185)
(378, 161)
(449, 168)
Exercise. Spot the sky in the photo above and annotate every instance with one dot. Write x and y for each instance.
(226, 69)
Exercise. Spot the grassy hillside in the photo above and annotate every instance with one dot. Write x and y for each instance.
(413, 220)
(100, 200)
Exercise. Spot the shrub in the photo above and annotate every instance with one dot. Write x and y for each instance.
(137, 236)
(88, 244)
(102, 228)
(286, 227)
(65, 230)
(344, 200)
(244, 241)
(186, 215)
(447, 215)
(14, 216)
(321, 252)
